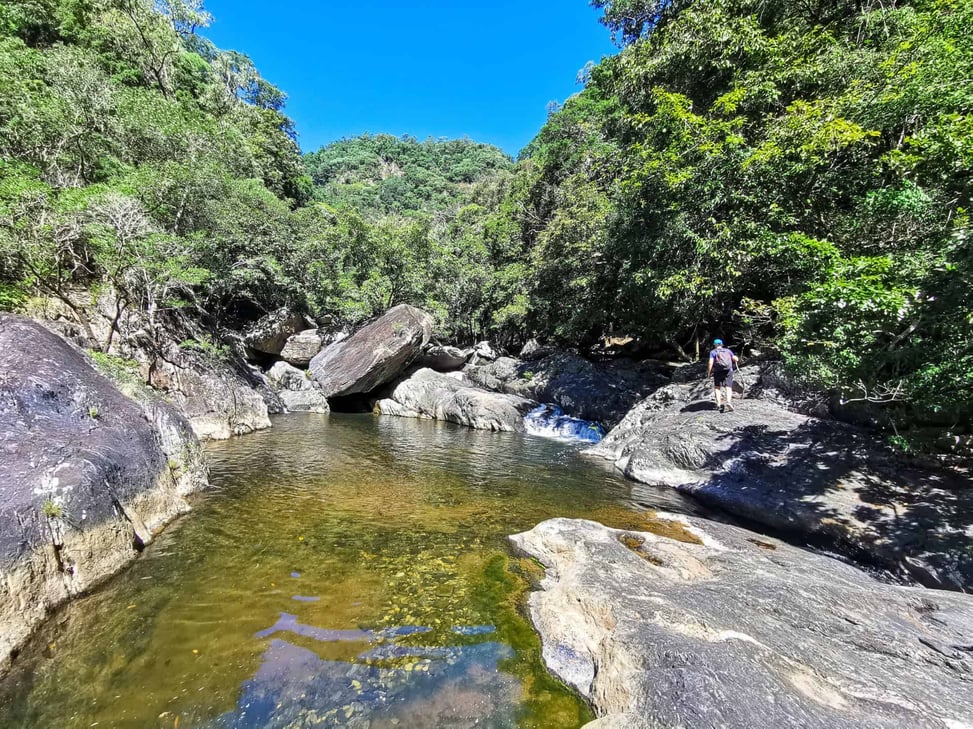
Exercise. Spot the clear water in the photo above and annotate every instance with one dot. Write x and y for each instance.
(346, 570)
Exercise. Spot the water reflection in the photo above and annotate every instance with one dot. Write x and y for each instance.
(460, 687)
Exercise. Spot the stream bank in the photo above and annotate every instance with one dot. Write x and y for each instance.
(709, 625)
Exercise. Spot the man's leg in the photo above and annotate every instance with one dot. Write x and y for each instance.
(729, 397)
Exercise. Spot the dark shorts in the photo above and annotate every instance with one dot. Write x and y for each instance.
(722, 379)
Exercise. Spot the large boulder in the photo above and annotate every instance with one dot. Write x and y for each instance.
(87, 475)
(698, 624)
(271, 332)
(296, 389)
(374, 355)
(599, 392)
(300, 348)
(429, 394)
(801, 474)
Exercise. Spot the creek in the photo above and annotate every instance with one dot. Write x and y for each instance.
(345, 570)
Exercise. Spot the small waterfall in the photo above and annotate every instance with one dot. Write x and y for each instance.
(551, 422)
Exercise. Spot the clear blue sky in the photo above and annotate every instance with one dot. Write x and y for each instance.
(485, 69)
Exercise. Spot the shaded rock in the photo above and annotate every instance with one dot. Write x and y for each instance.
(800, 474)
(600, 392)
(87, 475)
(296, 389)
(444, 358)
(483, 352)
(208, 381)
(374, 355)
(429, 394)
(718, 627)
(271, 332)
(534, 350)
(300, 348)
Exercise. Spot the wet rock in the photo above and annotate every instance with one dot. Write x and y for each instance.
(374, 355)
(797, 473)
(429, 394)
(270, 333)
(444, 358)
(87, 475)
(296, 389)
(600, 392)
(740, 631)
(300, 348)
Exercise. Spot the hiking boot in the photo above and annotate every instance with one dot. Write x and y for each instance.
(729, 408)
(722, 407)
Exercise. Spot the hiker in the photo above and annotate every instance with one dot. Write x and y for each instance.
(722, 362)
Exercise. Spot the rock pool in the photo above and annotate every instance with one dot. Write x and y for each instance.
(345, 570)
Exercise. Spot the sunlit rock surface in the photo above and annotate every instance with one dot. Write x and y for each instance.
(444, 358)
(87, 475)
(300, 348)
(271, 333)
(798, 473)
(296, 389)
(375, 354)
(429, 394)
(709, 625)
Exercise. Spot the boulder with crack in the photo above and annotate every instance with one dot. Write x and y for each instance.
(296, 389)
(701, 624)
(444, 358)
(429, 394)
(300, 348)
(269, 334)
(87, 475)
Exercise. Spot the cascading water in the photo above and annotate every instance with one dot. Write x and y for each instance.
(551, 422)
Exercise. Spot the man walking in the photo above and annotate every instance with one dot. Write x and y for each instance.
(722, 362)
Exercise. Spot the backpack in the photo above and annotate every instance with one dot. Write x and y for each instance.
(723, 362)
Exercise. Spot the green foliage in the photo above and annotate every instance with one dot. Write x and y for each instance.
(384, 175)
(798, 173)
(139, 158)
(119, 370)
(52, 510)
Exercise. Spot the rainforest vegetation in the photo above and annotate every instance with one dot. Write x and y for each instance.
(794, 176)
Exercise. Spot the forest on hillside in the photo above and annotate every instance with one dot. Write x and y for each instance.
(792, 176)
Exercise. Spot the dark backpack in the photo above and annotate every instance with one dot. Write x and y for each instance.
(723, 362)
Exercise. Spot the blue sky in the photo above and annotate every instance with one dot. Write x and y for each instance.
(476, 68)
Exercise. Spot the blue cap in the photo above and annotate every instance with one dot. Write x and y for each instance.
(717, 341)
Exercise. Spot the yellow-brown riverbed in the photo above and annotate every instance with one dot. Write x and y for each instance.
(346, 570)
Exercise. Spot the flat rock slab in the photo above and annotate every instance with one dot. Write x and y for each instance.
(374, 355)
(429, 394)
(710, 625)
(800, 474)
